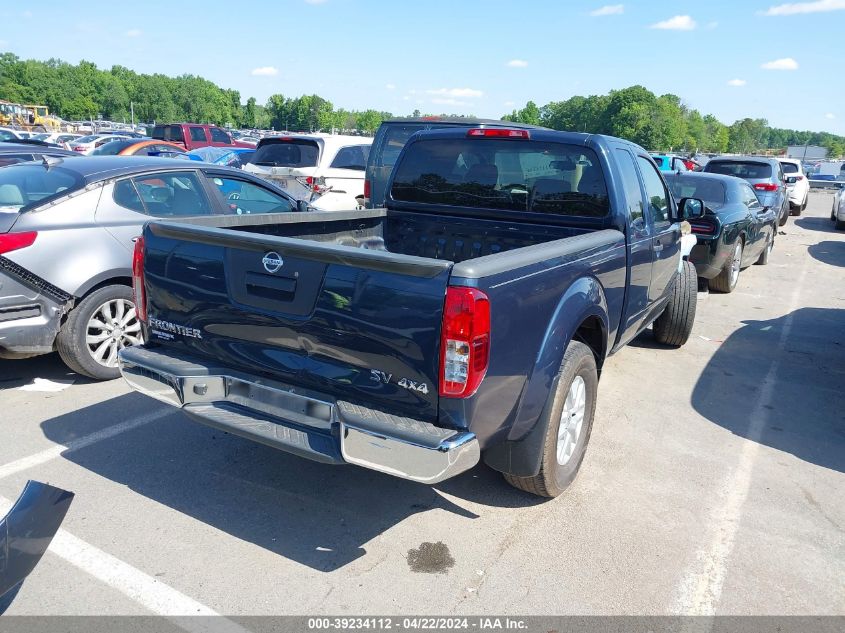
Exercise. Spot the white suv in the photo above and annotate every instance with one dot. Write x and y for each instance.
(797, 185)
(325, 171)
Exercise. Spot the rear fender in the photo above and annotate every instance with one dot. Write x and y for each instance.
(520, 454)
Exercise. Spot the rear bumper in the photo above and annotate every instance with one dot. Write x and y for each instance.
(299, 422)
(29, 318)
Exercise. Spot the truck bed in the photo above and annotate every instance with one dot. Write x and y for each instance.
(450, 238)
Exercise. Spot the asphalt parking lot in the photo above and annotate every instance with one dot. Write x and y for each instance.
(713, 484)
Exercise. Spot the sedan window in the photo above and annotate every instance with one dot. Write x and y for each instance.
(244, 197)
(170, 194)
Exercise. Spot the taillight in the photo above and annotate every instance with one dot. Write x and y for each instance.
(367, 189)
(703, 228)
(766, 186)
(498, 132)
(797, 178)
(138, 291)
(464, 342)
(14, 241)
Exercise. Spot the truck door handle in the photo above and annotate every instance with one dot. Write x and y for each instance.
(658, 247)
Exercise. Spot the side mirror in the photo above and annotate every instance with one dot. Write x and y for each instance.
(302, 206)
(791, 180)
(690, 208)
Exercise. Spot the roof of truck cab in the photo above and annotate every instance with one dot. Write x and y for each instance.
(463, 122)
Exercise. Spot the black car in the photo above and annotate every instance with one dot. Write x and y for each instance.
(12, 152)
(735, 231)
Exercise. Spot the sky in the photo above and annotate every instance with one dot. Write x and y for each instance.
(731, 58)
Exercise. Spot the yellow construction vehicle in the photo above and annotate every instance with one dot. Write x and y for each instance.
(39, 117)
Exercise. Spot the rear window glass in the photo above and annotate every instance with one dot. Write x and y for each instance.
(534, 177)
(707, 189)
(295, 153)
(740, 169)
(789, 168)
(26, 186)
(88, 139)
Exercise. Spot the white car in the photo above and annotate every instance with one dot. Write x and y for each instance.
(327, 171)
(797, 184)
(59, 138)
(837, 214)
(8, 134)
(87, 144)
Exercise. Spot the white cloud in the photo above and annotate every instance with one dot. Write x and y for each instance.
(830, 116)
(677, 23)
(455, 92)
(792, 8)
(787, 63)
(451, 102)
(390, 86)
(133, 33)
(517, 63)
(737, 83)
(609, 9)
(265, 71)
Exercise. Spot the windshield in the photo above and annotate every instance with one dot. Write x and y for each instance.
(287, 153)
(26, 186)
(747, 170)
(534, 177)
(708, 189)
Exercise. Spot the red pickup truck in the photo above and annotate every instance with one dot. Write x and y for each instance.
(194, 135)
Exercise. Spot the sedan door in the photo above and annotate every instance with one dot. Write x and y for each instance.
(761, 225)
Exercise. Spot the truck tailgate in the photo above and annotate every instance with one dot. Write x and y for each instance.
(360, 325)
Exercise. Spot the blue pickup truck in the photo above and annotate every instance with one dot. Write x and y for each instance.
(470, 317)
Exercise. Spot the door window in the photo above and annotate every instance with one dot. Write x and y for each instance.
(656, 193)
(197, 134)
(165, 195)
(633, 193)
(126, 196)
(219, 136)
(244, 197)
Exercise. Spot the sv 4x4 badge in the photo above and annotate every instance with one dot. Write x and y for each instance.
(379, 376)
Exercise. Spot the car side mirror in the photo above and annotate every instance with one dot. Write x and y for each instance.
(791, 180)
(302, 206)
(690, 208)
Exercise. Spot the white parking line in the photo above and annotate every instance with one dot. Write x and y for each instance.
(25, 463)
(149, 592)
(701, 587)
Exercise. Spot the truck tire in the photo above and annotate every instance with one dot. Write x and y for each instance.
(726, 280)
(674, 326)
(102, 322)
(568, 422)
(840, 225)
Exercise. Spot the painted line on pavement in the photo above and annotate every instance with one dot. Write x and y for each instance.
(701, 587)
(25, 463)
(154, 595)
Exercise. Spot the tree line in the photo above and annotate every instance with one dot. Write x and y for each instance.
(82, 91)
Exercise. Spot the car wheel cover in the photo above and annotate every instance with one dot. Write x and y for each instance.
(113, 326)
(571, 420)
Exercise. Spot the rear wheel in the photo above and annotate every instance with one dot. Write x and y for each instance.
(784, 216)
(726, 280)
(101, 325)
(764, 256)
(674, 326)
(569, 421)
(840, 225)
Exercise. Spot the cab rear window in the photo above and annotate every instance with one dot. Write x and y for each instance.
(521, 176)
